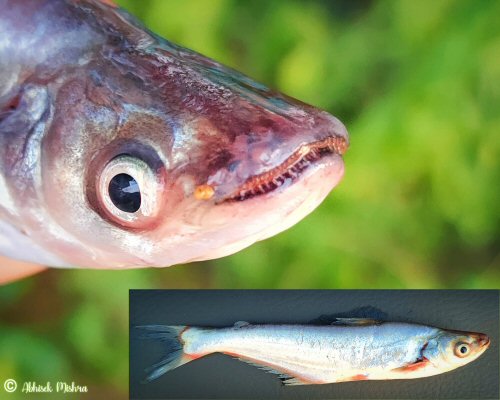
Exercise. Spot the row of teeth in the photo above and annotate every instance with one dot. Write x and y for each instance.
(290, 169)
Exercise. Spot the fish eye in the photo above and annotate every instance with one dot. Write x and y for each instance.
(462, 350)
(129, 191)
(125, 193)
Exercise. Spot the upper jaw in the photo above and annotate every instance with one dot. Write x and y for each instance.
(291, 168)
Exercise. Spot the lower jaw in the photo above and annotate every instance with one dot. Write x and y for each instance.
(309, 191)
(268, 214)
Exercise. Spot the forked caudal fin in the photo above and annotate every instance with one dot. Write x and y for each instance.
(171, 337)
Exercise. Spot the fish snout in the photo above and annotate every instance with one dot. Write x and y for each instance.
(482, 340)
(337, 129)
(287, 154)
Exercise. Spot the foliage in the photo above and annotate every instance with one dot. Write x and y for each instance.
(418, 86)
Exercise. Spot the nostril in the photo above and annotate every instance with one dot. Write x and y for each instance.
(233, 165)
(10, 107)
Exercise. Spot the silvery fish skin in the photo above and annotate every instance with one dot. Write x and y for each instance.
(120, 149)
(348, 350)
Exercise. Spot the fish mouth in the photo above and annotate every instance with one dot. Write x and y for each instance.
(484, 341)
(290, 169)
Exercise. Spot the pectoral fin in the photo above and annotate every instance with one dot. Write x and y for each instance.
(13, 270)
(420, 363)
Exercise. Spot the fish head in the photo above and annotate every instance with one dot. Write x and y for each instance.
(157, 156)
(453, 349)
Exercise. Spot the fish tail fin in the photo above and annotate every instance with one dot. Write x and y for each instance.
(175, 356)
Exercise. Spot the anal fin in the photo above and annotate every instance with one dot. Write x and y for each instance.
(294, 382)
(286, 378)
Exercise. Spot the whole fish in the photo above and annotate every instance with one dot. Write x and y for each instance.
(350, 349)
(121, 149)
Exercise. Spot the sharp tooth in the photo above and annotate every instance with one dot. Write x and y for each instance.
(304, 150)
(291, 168)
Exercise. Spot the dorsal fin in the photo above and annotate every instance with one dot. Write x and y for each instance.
(356, 321)
(366, 312)
(241, 324)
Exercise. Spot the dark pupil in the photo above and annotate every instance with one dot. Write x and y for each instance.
(124, 193)
(463, 349)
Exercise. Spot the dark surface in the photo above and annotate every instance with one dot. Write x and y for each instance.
(220, 376)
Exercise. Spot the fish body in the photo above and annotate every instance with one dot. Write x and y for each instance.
(121, 149)
(348, 350)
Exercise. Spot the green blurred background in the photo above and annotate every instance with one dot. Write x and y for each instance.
(418, 85)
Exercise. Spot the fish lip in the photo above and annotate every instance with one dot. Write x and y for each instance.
(291, 169)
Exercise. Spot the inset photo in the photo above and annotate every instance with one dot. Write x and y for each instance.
(312, 344)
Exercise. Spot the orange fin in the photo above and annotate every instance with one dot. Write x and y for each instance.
(13, 270)
(358, 377)
(421, 363)
(174, 346)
